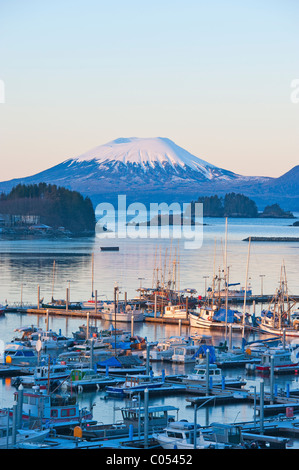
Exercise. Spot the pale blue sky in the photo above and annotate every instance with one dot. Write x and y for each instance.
(214, 76)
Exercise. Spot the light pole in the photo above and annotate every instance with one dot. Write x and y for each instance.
(22, 294)
(69, 281)
(262, 284)
(254, 415)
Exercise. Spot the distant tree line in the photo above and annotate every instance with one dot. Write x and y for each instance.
(56, 206)
(237, 205)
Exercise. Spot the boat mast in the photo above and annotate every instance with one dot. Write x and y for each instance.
(92, 275)
(213, 283)
(245, 293)
(226, 279)
(53, 280)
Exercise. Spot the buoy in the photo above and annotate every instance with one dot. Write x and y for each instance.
(77, 431)
(8, 360)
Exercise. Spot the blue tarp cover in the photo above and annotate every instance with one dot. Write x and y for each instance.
(121, 345)
(220, 315)
(111, 362)
(202, 351)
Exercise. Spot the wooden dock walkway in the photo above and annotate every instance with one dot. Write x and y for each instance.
(64, 313)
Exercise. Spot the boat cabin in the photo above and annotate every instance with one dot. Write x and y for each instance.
(18, 354)
(58, 410)
(230, 434)
(182, 431)
(185, 354)
(281, 358)
(200, 373)
(158, 416)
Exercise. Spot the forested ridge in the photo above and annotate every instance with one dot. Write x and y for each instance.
(237, 205)
(56, 206)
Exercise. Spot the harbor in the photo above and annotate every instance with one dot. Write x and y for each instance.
(150, 356)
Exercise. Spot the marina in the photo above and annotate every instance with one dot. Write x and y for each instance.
(104, 356)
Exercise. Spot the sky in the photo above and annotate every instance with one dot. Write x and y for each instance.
(215, 77)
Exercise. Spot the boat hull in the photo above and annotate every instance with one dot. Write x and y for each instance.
(120, 317)
(279, 331)
(198, 322)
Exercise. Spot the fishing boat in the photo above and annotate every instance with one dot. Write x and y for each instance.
(88, 379)
(278, 319)
(21, 435)
(2, 310)
(114, 334)
(59, 411)
(184, 435)
(185, 354)
(17, 354)
(175, 312)
(181, 434)
(91, 304)
(234, 358)
(231, 294)
(212, 317)
(42, 375)
(47, 340)
(275, 322)
(199, 377)
(133, 414)
(163, 351)
(285, 360)
(84, 332)
(123, 313)
(62, 305)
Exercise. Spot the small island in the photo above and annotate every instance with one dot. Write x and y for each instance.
(238, 206)
(45, 210)
(275, 211)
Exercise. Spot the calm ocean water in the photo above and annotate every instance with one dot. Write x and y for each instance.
(28, 263)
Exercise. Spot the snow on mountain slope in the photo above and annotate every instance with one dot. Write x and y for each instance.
(150, 153)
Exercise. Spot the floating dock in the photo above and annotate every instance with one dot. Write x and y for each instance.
(169, 321)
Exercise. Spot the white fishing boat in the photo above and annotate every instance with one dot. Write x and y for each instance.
(216, 378)
(21, 436)
(49, 340)
(91, 304)
(163, 351)
(185, 354)
(231, 294)
(180, 435)
(42, 375)
(278, 318)
(176, 312)
(217, 318)
(275, 323)
(123, 313)
(285, 360)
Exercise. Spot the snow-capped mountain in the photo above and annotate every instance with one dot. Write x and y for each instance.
(157, 169)
(135, 155)
(133, 166)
